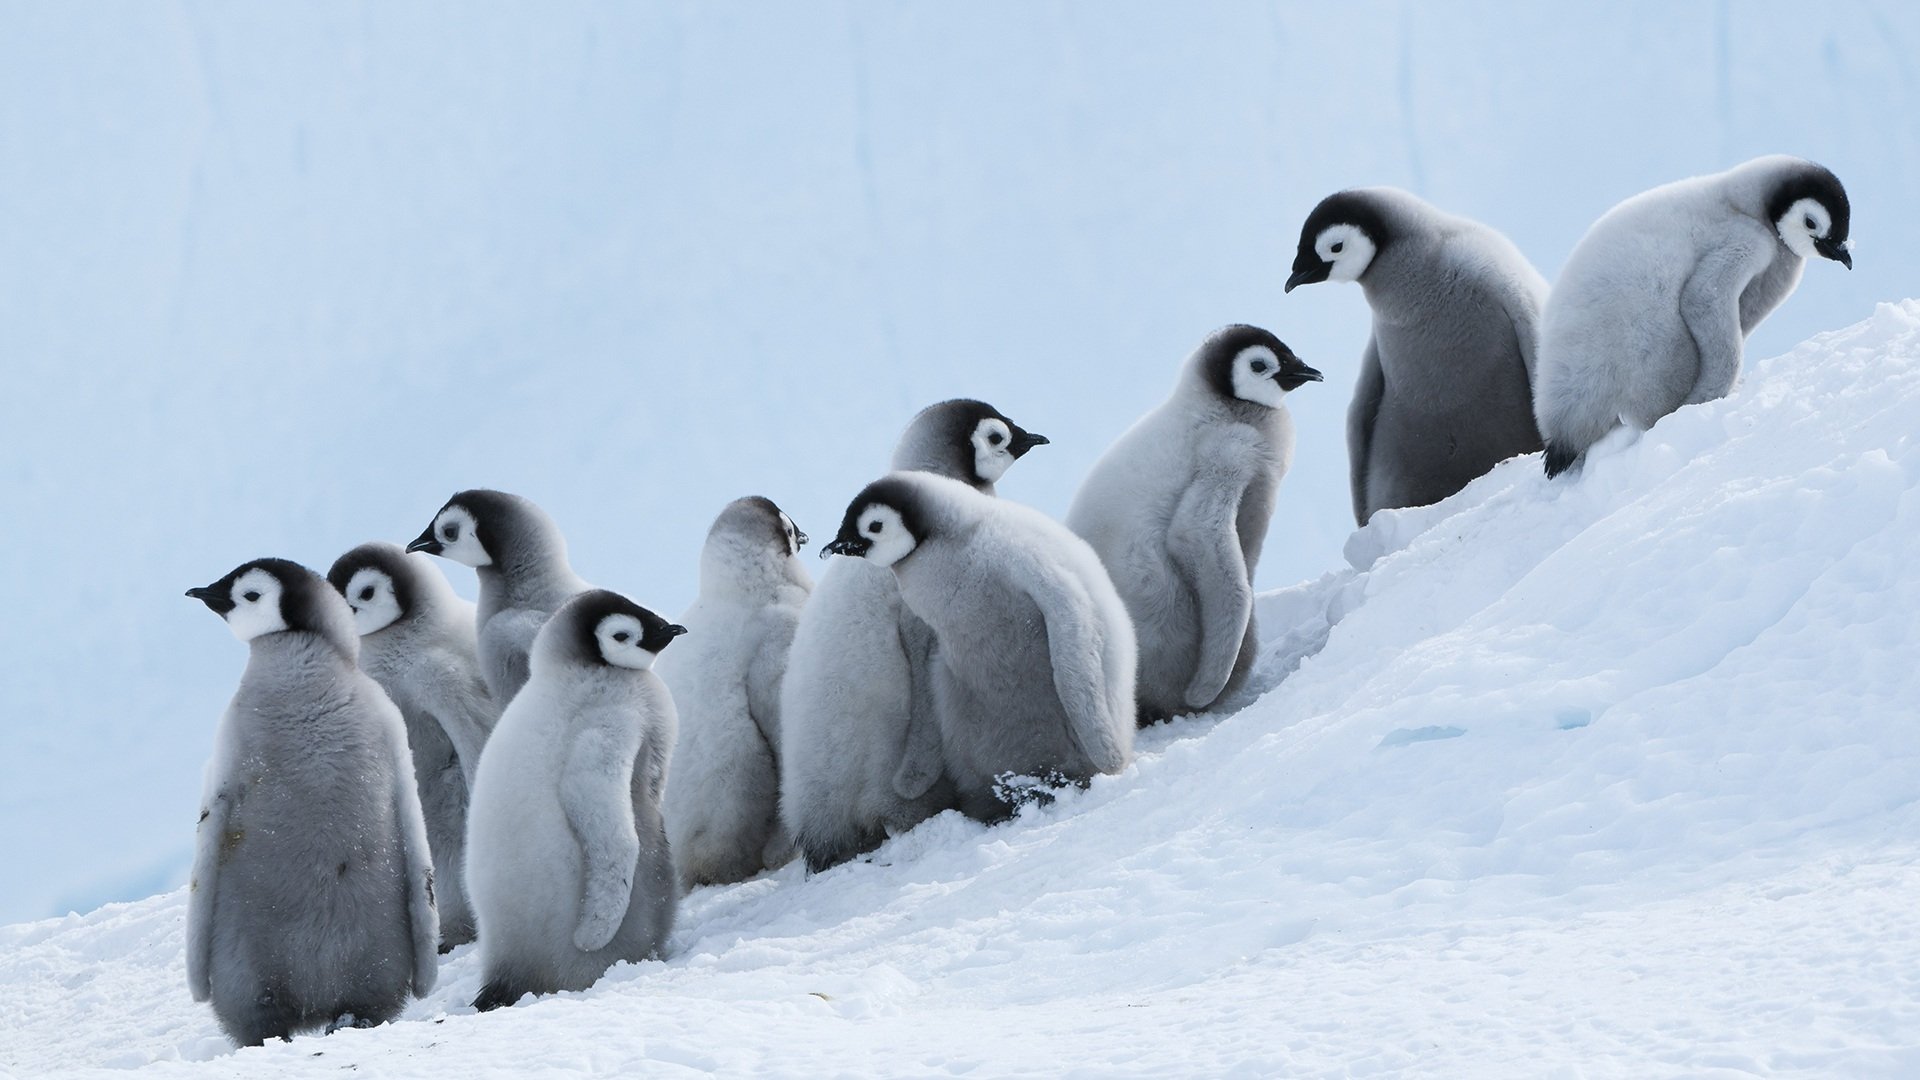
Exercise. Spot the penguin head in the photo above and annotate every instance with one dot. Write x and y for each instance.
(455, 533)
(1809, 210)
(612, 630)
(755, 522)
(966, 440)
(379, 582)
(1246, 363)
(1340, 240)
(882, 525)
(268, 596)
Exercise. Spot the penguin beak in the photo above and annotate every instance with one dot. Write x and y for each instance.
(1292, 374)
(673, 630)
(1837, 251)
(854, 546)
(215, 600)
(425, 542)
(1312, 272)
(1025, 441)
(799, 538)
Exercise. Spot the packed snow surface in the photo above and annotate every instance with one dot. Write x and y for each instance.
(1611, 776)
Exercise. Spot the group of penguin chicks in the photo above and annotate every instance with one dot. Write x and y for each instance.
(399, 773)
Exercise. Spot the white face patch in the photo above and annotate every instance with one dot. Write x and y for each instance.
(793, 533)
(256, 606)
(454, 528)
(1253, 371)
(992, 449)
(371, 596)
(1347, 248)
(1803, 223)
(620, 637)
(888, 533)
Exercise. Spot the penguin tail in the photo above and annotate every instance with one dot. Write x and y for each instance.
(494, 995)
(1559, 459)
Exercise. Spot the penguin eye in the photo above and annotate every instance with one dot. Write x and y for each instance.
(996, 438)
(250, 596)
(620, 636)
(875, 527)
(1259, 367)
(366, 593)
(1810, 225)
(450, 532)
(1338, 246)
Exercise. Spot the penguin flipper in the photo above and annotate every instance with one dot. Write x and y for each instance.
(596, 794)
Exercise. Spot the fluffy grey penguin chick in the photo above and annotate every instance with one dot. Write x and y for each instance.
(859, 746)
(1653, 309)
(524, 576)
(1178, 509)
(311, 903)
(722, 803)
(1034, 654)
(567, 860)
(1446, 383)
(417, 641)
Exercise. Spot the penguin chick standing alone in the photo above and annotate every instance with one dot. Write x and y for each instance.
(524, 576)
(1178, 509)
(311, 902)
(1445, 390)
(722, 804)
(567, 860)
(1034, 654)
(859, 747)
(417, 641)
(1655, 304)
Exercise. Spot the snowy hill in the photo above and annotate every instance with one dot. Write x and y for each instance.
(1611, 777)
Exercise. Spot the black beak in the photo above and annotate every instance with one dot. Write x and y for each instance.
(212, 597)
(425, 542)
(1312, 273)
(1025, 441)
(673, 630)
(854, 546)
(1292, 374)
(799, 538)
(1836, 251)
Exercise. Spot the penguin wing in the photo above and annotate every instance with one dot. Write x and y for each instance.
(422, 914)
(508, 638)
(765, 672)
(462, 706)
(209, 839)
(1523, 310)
(921, 754)
(1203, 540)
(1710, 306)
(596, 794)
(1076, 642)
(1360, 414)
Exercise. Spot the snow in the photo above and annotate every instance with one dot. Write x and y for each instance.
(278, 279)
(1609, 776)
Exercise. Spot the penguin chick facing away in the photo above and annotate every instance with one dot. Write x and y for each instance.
(859, 746)
(1653, 309)
(521, 559)
(311, 903)
(1033, 667)
(417, 641)
(567, 860)
(1178, 509)
(1446, 382)
(722, 804)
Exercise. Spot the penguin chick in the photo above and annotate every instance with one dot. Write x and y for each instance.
(1178, 509)
(417, 641)
(859, 747)
(1034, 654)
(1446, 382)
(1653, 309)
(311, 903)
(524, 576)
(567, 860)
(723, 796)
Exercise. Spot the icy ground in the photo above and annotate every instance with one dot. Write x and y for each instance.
(1613, 777)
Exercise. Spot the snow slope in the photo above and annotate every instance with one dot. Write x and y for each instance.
(1610, 777)
(278, 278)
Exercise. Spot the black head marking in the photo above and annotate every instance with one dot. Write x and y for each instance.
(301, 592)
(894, 492)
(1224, 345)
(767, 517)
(1355, 208)
(1807, 180)
(959, 418)
(385, 558)
(491, 511)
(591, 608)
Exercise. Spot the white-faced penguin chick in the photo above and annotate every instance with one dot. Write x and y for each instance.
(311, 903)
(1446, 382)
(417, 641)
(1033, 666)
(1653, 309)
(524, 576)
(567, 860)
(859, 747)
(723, 787)
(1178, 509)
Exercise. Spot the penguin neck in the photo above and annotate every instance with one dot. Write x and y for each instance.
(296, 660)
(731, 573)
(522, 578)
